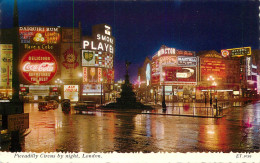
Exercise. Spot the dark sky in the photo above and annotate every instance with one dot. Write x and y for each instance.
(140, 28)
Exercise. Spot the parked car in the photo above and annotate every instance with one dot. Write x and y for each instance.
(43, 105)
(65, 105)
(80, 106)
(53, 104)
(90, 104)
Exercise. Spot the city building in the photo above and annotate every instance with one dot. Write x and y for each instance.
(174, 69)
(58, 63)
(248, 69)
(219, 76)
(98, 52)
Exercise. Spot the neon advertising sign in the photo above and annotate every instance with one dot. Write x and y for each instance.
(38, 66)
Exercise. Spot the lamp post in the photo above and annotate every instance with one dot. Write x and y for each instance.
(101, 91)
(80, 85)
(210, 78)
(163, 97)
(216, 100)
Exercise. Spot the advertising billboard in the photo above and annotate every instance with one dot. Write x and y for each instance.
(97, 59)
(70, 60)
(185, 53)
(148, 73)
(214, 66)
(101, 40)
(91, 89)
(6, 56)
(71, 92)
(179, 74)
(164, 50)
(88, 58)
(42, 35)
(38, 66)
(94, 75)
(236, 52)
(168, 61)
(187, 61)
(248, 67)
(39, 48)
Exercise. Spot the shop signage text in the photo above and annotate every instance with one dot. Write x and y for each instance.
(187, 61)
(18, 121)
(45, 35)
(248, 66)
(163, 51)
(38, 66)
(237, 52)
(70, 88)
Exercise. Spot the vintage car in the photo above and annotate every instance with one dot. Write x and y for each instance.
(43, 105)
(53, 104)
(80, 106)
(65, 105)
(85, 106)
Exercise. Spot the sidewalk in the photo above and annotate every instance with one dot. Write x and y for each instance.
(194, 109)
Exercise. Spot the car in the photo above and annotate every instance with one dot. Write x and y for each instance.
(81, 106)
(53, 104)
(43, 105)
(65, 105)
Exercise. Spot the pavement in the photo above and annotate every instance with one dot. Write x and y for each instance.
(173, 109)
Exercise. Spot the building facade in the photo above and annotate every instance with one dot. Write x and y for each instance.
(186, 76)
(98, 52)
(176, 71)
(58, 63)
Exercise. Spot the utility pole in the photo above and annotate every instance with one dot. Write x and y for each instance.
(16, 104)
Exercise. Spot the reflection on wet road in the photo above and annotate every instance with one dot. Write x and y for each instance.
(54, 130)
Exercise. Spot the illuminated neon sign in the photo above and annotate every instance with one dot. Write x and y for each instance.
(102, 40)
(163, 51)
(168, 60)
(85, 74)
(38, 66)
(44, 35)
(248, 66)
(187, 61)
(238, 52)
(148, 73)
(225, 53)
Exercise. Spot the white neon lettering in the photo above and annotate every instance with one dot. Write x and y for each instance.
(92, 46)
(85, 44)
(49, 67)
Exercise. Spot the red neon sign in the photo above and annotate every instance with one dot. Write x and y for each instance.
(38, 66)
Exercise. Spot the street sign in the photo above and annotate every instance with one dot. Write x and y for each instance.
(18, 121)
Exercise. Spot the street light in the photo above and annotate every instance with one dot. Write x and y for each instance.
(163, 98)
(216, 100)
(210, 78)
(101, 91)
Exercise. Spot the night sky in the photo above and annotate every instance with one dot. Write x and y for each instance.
(140, 28)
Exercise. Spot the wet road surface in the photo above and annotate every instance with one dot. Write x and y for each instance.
(54, 131)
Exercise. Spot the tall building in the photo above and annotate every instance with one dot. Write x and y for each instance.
(98, 52)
